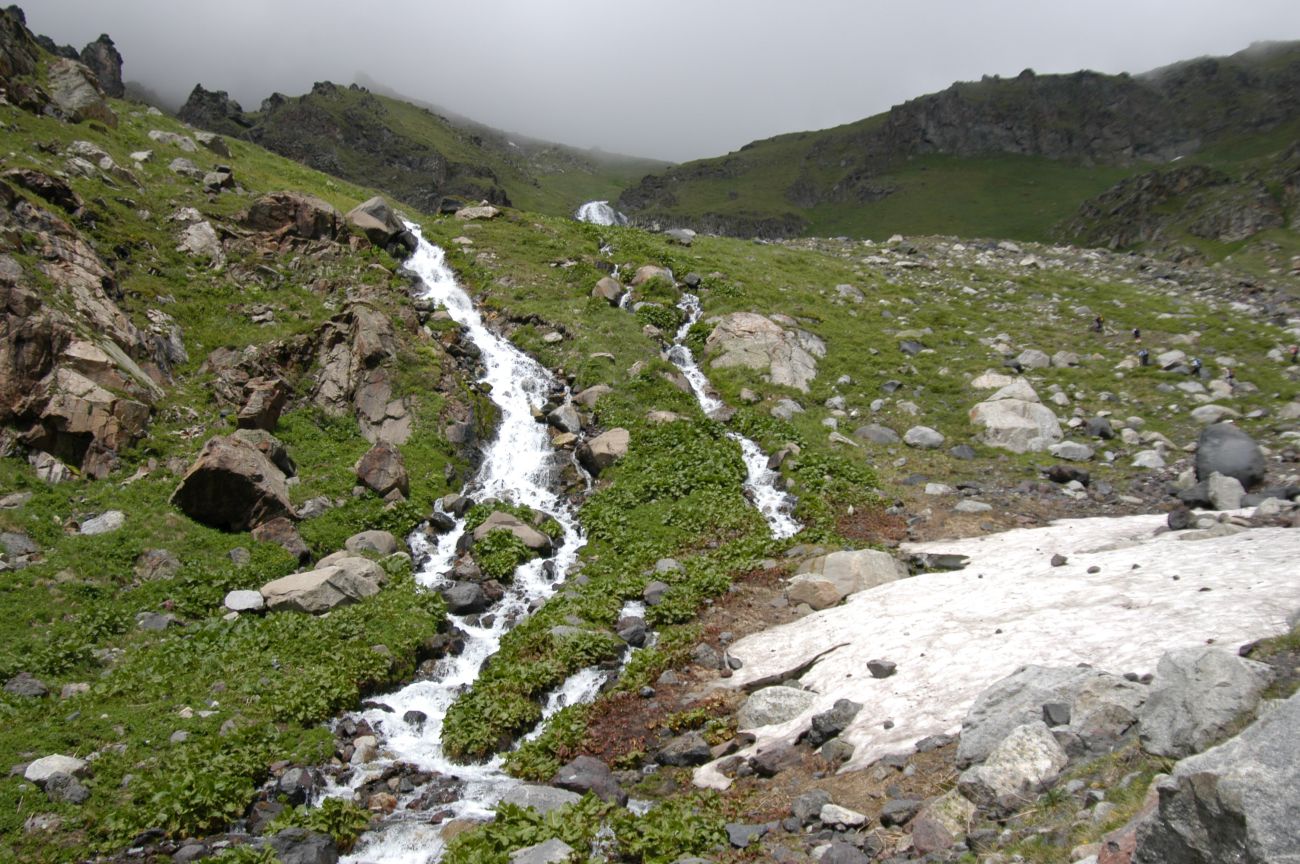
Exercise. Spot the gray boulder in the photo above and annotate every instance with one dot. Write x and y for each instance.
(589, 774)
(1024, 763)
(825, 580)
(1196, 697)
(1225, 493)
(1235, 803)
(876, 434)
(1103, 708)
(377, 222)
(553, 851)
(383, 470)
(381, 543)
(300, 846)
(349, 580)
(1015, 419)
(689, 748)
(75, 89)
(1225, 449)
(604, 450)
(923, 438)
(543, 799)
(773, 705)
(233, 486)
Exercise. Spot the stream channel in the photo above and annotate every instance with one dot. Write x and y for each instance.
(520, 466)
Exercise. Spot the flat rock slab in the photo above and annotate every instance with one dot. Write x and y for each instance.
(1010, 608)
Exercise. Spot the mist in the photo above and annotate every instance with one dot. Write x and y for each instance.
(669, 79)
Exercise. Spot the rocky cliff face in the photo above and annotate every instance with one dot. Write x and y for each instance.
(1084, 117)
(1163, 208)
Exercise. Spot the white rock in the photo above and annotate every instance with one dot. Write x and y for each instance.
(923, 438)
(104, 523)
(47, 766)
(1026, 761)
(1149, 459)
(1071, 451)
(833, 814)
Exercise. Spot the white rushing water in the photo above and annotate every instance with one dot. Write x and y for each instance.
(599, 213)
(520, 466)
(760, 482)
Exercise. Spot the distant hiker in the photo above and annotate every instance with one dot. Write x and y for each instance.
(1137, 334)
(1295, 354)
(1145, 357)
(1196, 366)
(1098, 325)
(1231, 378)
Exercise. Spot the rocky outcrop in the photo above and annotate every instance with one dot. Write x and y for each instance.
(383, 471)
(1236, 802)
(233, 485)
(75, 90)
(357, 355)
(102, 58)
(753, 341)
(215, 111)
(295, 214)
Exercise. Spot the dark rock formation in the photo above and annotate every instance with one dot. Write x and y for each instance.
(102, 57)
(214, 111)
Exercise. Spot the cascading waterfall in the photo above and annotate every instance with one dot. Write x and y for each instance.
(599, 213)
(760, 482)
(518, 466)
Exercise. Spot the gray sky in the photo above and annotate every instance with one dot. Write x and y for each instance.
(674, 79)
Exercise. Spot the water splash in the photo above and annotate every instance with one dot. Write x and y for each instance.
(599, 213)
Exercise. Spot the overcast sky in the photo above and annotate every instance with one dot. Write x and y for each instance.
(674, 79)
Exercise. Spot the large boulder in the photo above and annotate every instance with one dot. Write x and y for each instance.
(383, 470)
(543, 799)
(753, 341)
(604, 450)
(1023, 764)
(314, 592)
(233, 485)
(295, 214)
(824, 581)
(1197, 696)
(1237, 802)
(378, 223)
(1225, 449)
(1102, 708)
(75, 89)
(1015, 419)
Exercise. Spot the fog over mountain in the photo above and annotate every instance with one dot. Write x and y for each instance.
(671, 78)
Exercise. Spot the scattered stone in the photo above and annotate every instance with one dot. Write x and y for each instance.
(1071, 451)
(1015, 419)
(25, 685)
(877, 434)
(881, 668)
(105, 523)
(841, 817)
(689, 748)
(41, 770)
(923, 438)
(381, 543)
(244, 601)
(156, 564)
(899, 811)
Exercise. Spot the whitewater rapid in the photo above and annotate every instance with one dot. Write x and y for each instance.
(761, 482)
(519, 465)
(599, 213)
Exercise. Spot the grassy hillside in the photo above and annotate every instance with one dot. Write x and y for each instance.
(999, 157)
(417, 155)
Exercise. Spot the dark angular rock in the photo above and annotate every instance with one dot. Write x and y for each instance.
(899, 811)
(741, 835)
(1180, 519)
(687, 749)
(880, 669)
(300, 846)
(830, 723)
(589, 774)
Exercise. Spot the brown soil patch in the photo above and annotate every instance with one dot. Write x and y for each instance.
(872, 525)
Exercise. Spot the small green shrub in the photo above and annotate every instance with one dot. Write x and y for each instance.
(499, 553)
(337, 817)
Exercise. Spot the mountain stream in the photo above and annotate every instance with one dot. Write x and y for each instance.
(519, 465)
